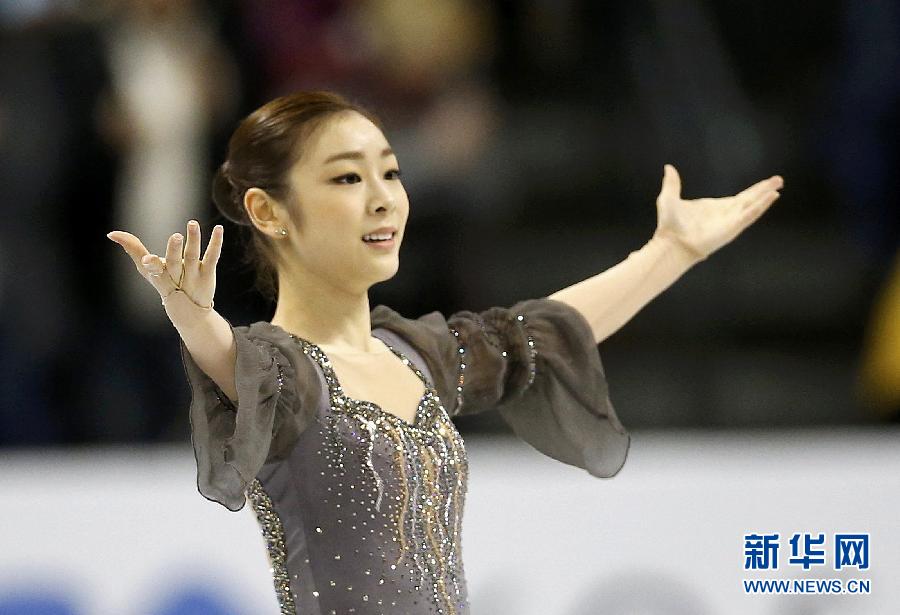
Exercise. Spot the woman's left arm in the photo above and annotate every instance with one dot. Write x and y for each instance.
(687, 232)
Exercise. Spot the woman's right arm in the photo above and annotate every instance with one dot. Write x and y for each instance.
(206, 334)
(210, 340)
(277, 385)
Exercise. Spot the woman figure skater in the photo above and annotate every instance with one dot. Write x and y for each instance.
(336, 420)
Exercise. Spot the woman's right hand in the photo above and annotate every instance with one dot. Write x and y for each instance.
(199, 276)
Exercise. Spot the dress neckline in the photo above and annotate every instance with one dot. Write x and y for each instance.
(338, 390)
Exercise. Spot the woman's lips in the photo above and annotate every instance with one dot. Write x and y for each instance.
(385, 244)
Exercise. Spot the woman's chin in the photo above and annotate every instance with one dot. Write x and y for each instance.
(389, 272)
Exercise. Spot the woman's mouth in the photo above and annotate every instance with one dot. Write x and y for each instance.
(379, 240)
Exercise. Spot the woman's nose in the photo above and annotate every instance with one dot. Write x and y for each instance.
(383, 197)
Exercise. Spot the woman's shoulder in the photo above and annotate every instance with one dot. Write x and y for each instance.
(266, 331)
(303, 370)
(430, 337)
(427, 333)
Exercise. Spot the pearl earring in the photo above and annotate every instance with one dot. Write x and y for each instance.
(283, 231)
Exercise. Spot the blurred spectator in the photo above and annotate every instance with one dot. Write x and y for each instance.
(517, 124)
(861, 150)
(859, 132)
(51, 71)
(879, 380)
(172, 82)
(32, 131)
(423, 67)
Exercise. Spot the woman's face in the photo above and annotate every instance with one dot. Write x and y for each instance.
(346, 186)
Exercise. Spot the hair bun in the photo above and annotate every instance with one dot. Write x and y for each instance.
(227, 198)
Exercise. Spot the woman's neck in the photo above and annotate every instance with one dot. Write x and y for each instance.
(325, 314)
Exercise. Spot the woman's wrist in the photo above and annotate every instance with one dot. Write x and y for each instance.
(676, 250)
(185, 314)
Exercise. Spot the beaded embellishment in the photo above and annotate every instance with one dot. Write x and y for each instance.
(532, 352)
(461, 377)
(273, 533)
(427, 479)
(430, 469)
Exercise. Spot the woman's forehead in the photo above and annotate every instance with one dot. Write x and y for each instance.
(347, 132)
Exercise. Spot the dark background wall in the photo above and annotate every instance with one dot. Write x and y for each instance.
(532, 137)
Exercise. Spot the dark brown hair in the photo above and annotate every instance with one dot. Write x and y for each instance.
(261, 151)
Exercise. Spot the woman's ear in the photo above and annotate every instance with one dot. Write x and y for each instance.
(262, 209)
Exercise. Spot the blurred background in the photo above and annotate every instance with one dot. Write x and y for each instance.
(532, 136)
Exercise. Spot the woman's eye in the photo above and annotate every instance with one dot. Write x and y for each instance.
(340, 180)
(343, 177)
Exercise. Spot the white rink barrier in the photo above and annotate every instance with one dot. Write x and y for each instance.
(124, 531)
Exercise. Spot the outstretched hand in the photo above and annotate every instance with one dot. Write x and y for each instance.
(179, 269)
(702, 226)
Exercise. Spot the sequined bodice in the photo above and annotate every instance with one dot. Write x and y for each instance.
(365, 516)
(341, 399)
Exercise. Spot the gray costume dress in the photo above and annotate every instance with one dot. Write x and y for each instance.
(360, 509)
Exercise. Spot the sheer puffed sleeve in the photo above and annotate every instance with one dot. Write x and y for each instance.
(538, 364)
(278, 392)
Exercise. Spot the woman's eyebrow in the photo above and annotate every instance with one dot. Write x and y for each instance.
(355, 155)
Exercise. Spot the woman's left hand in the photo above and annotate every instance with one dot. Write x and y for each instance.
(702, 226)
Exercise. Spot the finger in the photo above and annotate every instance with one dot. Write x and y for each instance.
(776, 182)
(132, 246)
(192, 246)
(157, 273)
(154, 267)
(671, 185)
(769, 197)
(214, 248)
(750, 194)
(173, 257)
(752, 214)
